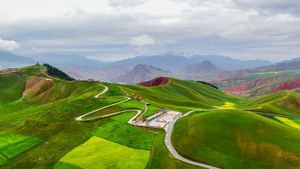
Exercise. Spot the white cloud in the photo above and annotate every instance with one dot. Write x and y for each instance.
(8, 45)
(178, 25)
(142, 41)
(126, 3)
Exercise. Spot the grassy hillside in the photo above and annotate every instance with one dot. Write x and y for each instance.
(48, 110)
(282, 102)
(49, 116)
(12, 87)
(181, 95)
(237, 139)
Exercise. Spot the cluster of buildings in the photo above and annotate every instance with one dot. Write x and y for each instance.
(11, 70)
(89, 80)
(136, 97)
(160, 119)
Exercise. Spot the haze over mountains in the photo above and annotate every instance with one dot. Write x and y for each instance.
(8, 60)
(172, 62)
(143, 68)
(142, 73)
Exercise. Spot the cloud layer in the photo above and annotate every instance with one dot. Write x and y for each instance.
(143, 40)
(245, 29)
(8, 45)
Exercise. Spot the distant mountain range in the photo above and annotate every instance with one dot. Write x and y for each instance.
(277, 67)
(9, 60)
(148, 67)
(292, 60)
(203, 67)
(172, 62)
(60, 60)
(142, 73)
(108, 73)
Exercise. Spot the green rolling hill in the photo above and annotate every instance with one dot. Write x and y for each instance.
(283, 102)
(237, 139)
(38, 114)
(181, 95)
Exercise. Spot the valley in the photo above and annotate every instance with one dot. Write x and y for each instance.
(73, 124)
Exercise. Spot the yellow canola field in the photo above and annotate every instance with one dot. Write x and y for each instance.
(266, 73)
(288, 122)
(227, 105)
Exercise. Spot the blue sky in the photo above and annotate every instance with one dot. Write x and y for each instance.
(117, 29)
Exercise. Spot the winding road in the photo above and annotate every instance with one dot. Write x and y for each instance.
(169, 145)
(168, 141)
(139, 112)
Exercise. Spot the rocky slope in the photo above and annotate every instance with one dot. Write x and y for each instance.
(142, 73)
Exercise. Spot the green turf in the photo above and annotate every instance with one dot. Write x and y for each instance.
(162, 158)
(100, 153)
(237, 139)
(12, 145)
(124, 117)
(126, 135)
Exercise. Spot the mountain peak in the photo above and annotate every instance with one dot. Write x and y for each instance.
(203, 67)
(141, 73)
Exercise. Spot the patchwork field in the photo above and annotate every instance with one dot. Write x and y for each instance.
(125, 134)
(12, 145)
(100, 153)
(226, 138)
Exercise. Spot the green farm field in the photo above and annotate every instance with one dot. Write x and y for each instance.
(12, 145)
(100, 153)
(45, 119)
(126, 135)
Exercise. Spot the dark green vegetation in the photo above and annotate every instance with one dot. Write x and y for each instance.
(54, 72)
(12, 145)
(208, 84)
(126, 135)
(237, 139)
(282, 102)
(181, 95)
